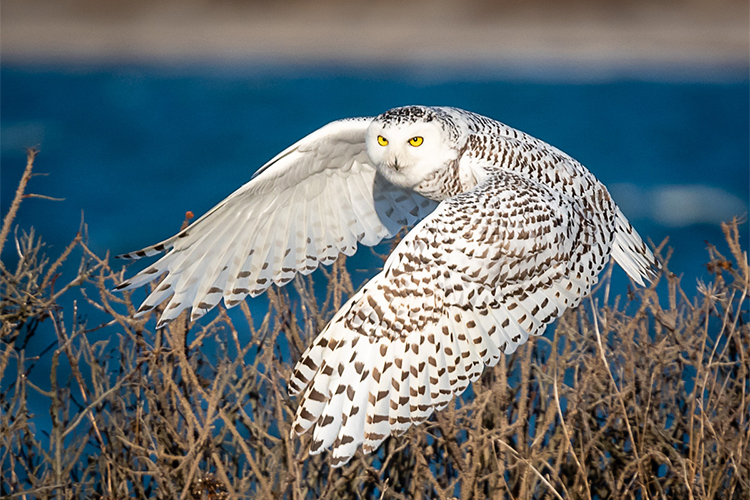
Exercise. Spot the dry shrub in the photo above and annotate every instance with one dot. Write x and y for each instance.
(628, 399)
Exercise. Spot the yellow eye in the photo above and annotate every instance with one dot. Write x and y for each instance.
(382, 140)
(416, 141)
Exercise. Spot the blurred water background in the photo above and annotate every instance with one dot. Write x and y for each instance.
(133, 138)
(132, 148)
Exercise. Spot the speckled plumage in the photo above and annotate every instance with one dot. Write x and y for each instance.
(521, 233)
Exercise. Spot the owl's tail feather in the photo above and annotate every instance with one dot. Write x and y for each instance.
(632, 254)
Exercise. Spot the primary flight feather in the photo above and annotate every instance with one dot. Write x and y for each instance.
(513, 231)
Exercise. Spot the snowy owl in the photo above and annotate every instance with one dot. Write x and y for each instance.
(513, 231)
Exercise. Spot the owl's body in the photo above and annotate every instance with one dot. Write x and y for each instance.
(521, 233)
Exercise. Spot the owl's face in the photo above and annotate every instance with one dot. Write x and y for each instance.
(407, 145)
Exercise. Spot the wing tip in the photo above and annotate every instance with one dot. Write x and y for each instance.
(122, 286)
(144, 252)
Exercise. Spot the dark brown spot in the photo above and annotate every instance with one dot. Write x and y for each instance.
(315, 395)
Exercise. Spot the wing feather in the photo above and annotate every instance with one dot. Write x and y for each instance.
(309, 203)
(238, 274)
(328, 238)
(347, 243)
(364, 211)
(377, 412)
(472, 281)
(399, 415)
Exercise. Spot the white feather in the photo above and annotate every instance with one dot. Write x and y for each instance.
(297, 195)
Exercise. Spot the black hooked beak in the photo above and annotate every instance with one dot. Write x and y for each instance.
(395, 165)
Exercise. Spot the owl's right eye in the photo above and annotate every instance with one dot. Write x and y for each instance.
(382, 140)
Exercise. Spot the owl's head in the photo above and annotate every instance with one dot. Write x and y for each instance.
(411, 143)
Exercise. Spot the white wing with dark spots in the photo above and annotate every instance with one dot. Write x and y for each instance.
(521, 234)
(316, 199)
(472, 281)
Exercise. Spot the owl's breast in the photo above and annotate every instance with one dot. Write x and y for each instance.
(447, 182)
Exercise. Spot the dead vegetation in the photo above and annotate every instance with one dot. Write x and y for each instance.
(637, 397)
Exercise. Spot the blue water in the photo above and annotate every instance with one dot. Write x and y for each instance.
(132, 148)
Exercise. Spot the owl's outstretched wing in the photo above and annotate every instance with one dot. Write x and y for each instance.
(314, 200)
(473, 280)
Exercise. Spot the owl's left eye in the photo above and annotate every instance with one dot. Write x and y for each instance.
(416, 141)
(382, 140)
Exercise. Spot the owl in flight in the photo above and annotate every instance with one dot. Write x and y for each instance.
(509, 233)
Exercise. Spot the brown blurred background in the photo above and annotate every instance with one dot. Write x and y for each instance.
(689, 32)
